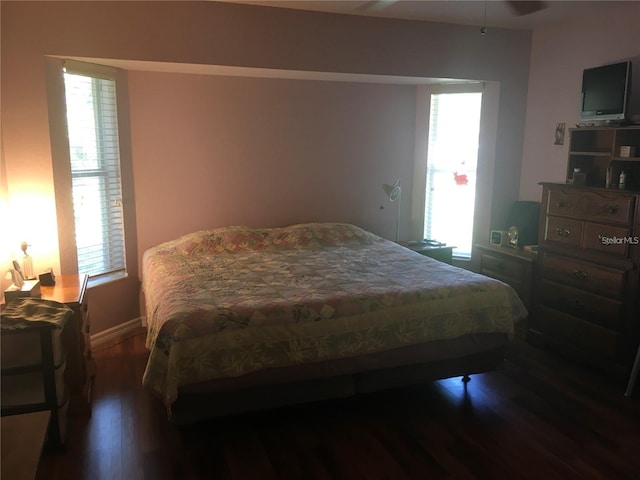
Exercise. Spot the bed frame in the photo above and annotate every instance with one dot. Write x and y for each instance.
(207, 360)
(444, 359)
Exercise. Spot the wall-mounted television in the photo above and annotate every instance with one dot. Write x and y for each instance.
(605, 92)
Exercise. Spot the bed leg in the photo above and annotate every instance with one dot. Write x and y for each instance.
(466, 379)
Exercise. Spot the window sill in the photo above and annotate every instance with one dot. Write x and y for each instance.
(104, 279)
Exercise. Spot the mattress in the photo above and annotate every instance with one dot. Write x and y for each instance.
(232, 302)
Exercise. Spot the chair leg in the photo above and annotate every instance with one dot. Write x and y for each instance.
(634, 374)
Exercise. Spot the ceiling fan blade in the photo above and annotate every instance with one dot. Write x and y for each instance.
(375, 4)
(521, 8)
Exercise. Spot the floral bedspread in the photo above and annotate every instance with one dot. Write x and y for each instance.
(227, 302)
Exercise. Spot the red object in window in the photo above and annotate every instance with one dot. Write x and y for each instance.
(460, 179)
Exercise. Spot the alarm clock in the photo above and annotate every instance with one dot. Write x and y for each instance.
(498, 238)
(513, 236)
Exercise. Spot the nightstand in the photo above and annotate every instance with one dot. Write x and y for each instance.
(442, 253)
(80, 372)
(513, 266)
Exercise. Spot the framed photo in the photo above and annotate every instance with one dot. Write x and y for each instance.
(559, 134)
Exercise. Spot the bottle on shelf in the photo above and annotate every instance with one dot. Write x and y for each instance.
(622, 180)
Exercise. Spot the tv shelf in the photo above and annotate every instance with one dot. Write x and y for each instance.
(594, 149)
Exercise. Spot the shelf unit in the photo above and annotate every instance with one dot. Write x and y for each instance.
(44, 368)
(595, 149)
(33, 368)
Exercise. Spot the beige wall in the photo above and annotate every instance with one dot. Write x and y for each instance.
(558, 57)
(223, 151)
(210, 150)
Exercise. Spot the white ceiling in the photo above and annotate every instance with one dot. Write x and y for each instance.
(464, 12)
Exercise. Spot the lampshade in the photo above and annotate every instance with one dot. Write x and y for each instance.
(392, 191)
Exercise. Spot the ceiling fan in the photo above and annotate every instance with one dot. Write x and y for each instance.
(519, 7)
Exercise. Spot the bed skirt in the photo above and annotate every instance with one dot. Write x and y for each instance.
(343, 378)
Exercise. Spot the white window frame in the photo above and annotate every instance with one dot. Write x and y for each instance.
(63, 181)
(486, 154)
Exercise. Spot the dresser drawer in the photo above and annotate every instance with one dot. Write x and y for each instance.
(506, 270)
(512, 266)
(584, 275)
(514, 282)
(606, 239)
(595, 206)
(501, 268)
(575, 331)
(602, 310)
(563, 231)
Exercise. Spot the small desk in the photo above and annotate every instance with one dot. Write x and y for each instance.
(22, 441)
(443, 253)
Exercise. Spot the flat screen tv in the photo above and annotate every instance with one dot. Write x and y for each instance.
(605, 92)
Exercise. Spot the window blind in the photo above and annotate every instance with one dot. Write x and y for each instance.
(454, 123)
(95, 172)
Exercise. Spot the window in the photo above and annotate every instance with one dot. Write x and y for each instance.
(452, 160)
(93, 162)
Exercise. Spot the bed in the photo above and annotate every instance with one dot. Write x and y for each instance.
(241, 318)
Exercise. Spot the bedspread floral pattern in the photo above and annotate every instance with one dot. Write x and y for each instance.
(231, 301)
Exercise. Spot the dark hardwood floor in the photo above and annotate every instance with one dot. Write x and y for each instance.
(538, 418)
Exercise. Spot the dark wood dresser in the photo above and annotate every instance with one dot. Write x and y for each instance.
(588, 274)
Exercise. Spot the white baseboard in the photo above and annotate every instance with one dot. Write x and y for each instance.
(114, 333)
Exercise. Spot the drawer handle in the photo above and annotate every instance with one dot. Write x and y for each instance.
(611, 210)
(563, 232)
(579, 274)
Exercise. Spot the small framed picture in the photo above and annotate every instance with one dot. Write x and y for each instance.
(559, 134)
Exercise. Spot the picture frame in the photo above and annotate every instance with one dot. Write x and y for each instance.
(559, 136)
